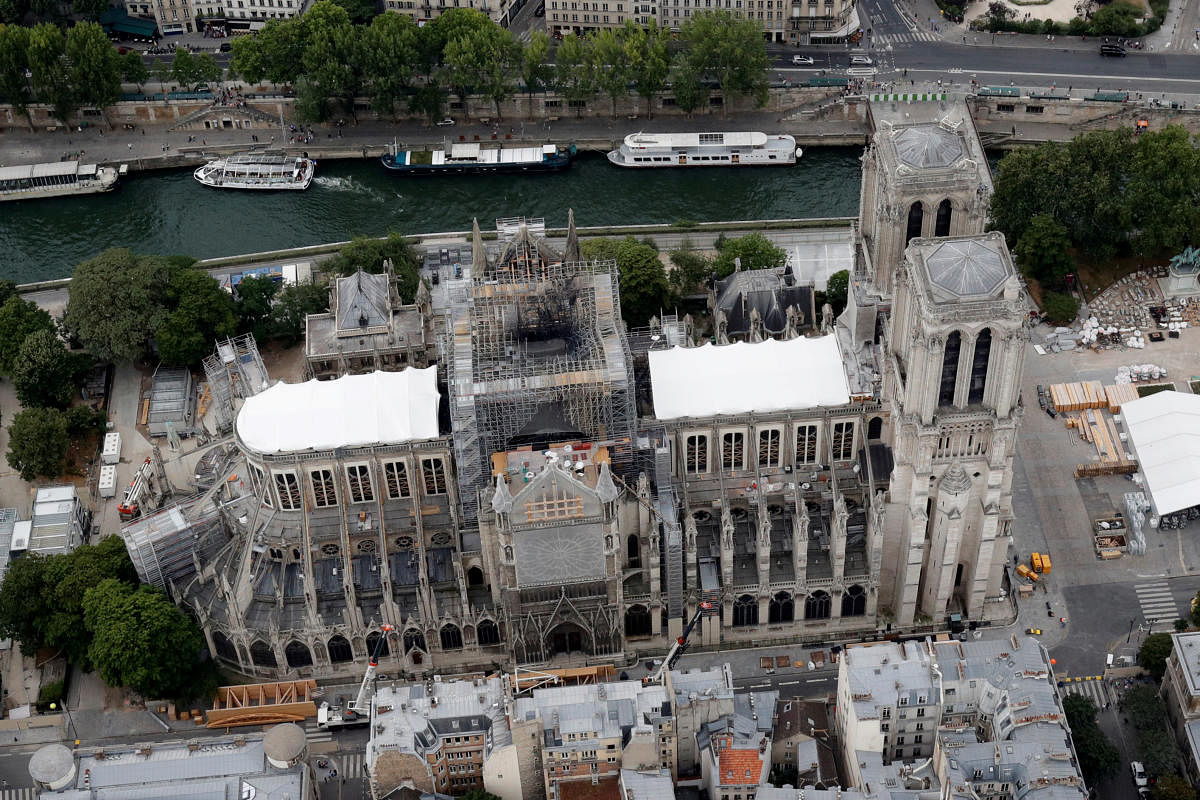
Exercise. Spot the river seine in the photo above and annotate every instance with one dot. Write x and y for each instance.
(169, 212)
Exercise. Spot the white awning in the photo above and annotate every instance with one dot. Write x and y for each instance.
(740, 378)
(352, 411)
(1164, 430)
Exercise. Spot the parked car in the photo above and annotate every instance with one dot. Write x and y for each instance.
(1139, 774)
(798, 60)
(860, 60)
(1034, 631)
(445, 122)
(225, 47)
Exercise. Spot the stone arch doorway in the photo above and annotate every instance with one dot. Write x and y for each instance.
(375, 638)
(474, 577)
(916, 216)
(875, 429)
(262, 655)
(941, 223)
(339, 650)
(637, 621)
(566, 638)
(224, 648)
(297, 654)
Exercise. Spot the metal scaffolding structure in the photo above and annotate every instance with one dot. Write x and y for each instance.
(530, 333)
(235, 370)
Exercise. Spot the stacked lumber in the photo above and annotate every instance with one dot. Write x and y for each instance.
(1078, 396)
(1106, 468)
(1119, 393)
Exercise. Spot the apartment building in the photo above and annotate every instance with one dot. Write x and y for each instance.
(1181, 691)
(423, 11)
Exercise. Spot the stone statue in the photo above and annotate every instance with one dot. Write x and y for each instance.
(655, 324)
(722, 326)
(726, 531)
(826, 319)
(756, 326)
(689, 527)
(795, 322)
(689, 330)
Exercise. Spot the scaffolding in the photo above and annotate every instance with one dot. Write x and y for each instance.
(527, 331)
(235, 370)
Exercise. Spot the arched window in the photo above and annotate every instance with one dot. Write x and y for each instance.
(817, 605)
(633, 550)
(451, 637)
(875, 429)
(637, 621)
(854, 602)
(745, 611)
(781, 608)
(374, 639)
(224, 647)
(488, 632)
(414, 638)
(262, 655)
(941, 225)
(339, 650)
(915, 215)
(979, 365)
(949, 369)
(474, 577)
(297, 654)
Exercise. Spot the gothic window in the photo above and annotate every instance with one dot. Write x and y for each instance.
(262, 655)
(377, 639)
(854, 602)
(697, 454)
(359, 478)
(806, 444)
(979, 366)
(224, 647)
(745, 611)
(733, 446)
(330, 549)
(488, 632)
(339, 650)
(451, 637)
(817, 605)
(633, 550)
(781, 608)
(941, 225)
(637, 621)
(323, 491)
(949, 369)
(433, 473)
(474, 576)
(396, 475)
(258, 479)
(875, 429)
(297, 654)
(288, 490)
(842, 446)
(915, 216)
(768, 448)
(413, 638)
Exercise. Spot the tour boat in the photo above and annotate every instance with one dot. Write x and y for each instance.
(742, 149)
(57, 179)
(264, 171)
(468, 158)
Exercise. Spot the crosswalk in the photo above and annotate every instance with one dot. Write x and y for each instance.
(26, 793)
(352, 765)
(1157, 602)
(312, 733)
(1096, 691)
(905, 38)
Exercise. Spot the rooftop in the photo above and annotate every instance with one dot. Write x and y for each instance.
(1164, 430)
(928, 146)
(1187, 653)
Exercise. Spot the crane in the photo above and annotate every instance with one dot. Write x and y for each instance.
(679, 646)
(128, 507)
(357, 712)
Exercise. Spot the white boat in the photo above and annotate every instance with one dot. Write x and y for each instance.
(57, 179)
(741, 149)
(265, 171)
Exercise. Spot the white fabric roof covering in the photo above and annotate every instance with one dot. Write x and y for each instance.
(739, 378)
(351, 411)
(1164, 429)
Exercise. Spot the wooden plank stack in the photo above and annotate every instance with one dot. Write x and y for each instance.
(1078, 396)
(1119, 393)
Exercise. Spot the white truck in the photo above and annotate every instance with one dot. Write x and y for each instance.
(357, 712)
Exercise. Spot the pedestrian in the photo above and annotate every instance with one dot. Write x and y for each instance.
(131, 146)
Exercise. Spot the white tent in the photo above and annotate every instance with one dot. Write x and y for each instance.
(352, 411)
(1164, 430)
(740, 378)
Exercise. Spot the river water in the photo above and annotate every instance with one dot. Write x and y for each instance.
(168, 212)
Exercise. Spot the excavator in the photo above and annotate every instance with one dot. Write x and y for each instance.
(358, 712)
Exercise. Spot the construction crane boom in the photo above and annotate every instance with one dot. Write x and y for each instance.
(679, 646)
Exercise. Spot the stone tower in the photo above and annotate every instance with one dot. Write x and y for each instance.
(927, 178)
(955, 351)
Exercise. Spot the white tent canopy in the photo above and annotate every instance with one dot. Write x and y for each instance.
(1164, 430)
(740, 378)
(352, 411)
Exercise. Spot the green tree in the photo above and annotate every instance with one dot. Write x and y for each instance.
(835, 290)
(1117, 19)
(294, 304)
(1099, 760)
(729, 49)
(689, 92)
(24, 602)
(1152, 656)
(644, 287)
(38, 442)
(1043, 251)
(134, 69)
(255, 296)
(368, 254)
(1061, 309)
(330, 61)
(1172, 787)
(184, 70)
(207, 69)
(18, 319)
(89, 9)
(45, 373)
(487, 60)
(755, 250)
(428, 101)
(648, 55)
(7, 289)
(161, 72)
(116, 302)
(388, 52)
(14, 57)
(536, 71)
(1195, 610)
(140, 639)
(1164, 191)
(68, 578)
(575, 71)
(95, 65)
(51, 72)
(201, 312)
(691, 269)
(1157, 750)
(612, 68)
(362, 11)
(452, 24)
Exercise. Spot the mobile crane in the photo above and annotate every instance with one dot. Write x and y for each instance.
(679, 646)
(128, 507)
(357, 712)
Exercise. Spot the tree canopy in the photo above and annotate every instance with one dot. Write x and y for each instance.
(18, 319)
(369, 253)
(45, 373)
(116, 302)
(38, 442)
(835, 290)
(292, 307)
(1153, 654)
(1098, 758)
(201, 312)
(754, 250)
(644, 287)
(1042, 251)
